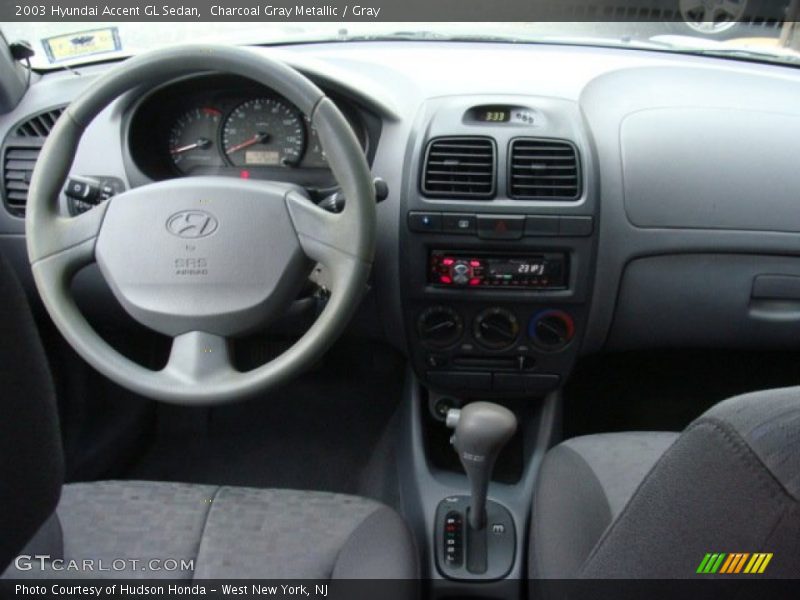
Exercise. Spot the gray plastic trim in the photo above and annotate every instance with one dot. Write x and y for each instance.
(708, 300)
(742, 176)
(697, 215)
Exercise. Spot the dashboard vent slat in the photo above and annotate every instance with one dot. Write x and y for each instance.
(17, 175)
(39, 125)
(544, 169)
(460, 168)
(19, 154)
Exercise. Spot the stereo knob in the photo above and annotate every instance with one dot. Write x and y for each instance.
(440, 326)
(551, 329)
(461, 272)
(496, 328)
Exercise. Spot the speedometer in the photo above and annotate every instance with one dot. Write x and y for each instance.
(264, 132)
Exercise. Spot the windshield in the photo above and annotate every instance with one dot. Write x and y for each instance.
(74, 43)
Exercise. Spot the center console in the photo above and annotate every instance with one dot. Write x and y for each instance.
(498, 236)
(497, 245)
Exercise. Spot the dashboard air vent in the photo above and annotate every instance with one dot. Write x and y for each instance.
(459, 167)
(39, 125)
(18, 163)
(19, 153)
(544, 169)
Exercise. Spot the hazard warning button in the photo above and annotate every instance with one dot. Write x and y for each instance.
(501, 227)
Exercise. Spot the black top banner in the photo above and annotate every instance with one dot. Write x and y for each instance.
(343, 10)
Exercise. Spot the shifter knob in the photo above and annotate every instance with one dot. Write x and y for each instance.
(482, 430)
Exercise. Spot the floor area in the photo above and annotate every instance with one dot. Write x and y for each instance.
(666, 390)
(329, 430)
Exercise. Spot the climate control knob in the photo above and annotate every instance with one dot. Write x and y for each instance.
(551, 329)
(440, 326)
(496, 328)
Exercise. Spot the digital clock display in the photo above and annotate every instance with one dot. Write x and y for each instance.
(512, 268)
(494, 115)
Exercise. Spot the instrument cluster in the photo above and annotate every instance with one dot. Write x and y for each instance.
(221, 125)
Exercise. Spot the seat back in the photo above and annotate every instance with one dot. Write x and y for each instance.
(730, 485)
(31, 455)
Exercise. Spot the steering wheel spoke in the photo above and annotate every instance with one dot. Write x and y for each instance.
(198, 357)
(324, 236)
(69, 238)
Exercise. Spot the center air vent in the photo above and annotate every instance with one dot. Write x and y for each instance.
(20, 151)
(544, 169)
(460, 168)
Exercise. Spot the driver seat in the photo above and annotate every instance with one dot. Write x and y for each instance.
(228, 532)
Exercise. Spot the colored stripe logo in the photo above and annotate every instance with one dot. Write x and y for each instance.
(734, 563)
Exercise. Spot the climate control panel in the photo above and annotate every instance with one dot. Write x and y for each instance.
(515, 349)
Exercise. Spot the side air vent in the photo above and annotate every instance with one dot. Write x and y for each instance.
(544, 169)
(18, 163)
(459, 167)
(39, 125)
(20, 151)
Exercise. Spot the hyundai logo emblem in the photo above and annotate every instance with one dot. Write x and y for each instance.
(192, 224)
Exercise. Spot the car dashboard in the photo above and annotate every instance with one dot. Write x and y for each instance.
(544, 202)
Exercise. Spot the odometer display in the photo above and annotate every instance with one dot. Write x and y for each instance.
(264, 132)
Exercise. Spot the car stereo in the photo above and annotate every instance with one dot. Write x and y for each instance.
(518, 271)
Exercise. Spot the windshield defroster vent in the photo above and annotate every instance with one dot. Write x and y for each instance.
(544, 169)
(460, 168)
(39, 125)
(19, 154)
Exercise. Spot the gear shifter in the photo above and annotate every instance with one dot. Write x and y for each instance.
(482, 429)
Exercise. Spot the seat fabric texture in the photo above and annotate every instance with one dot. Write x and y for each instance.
(223, 532)
(652, 505)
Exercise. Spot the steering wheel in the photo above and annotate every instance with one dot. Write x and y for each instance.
(203, 259)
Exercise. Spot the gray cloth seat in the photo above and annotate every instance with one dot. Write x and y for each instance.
(583, 485)
(208, 531)
(228, 533)
(651, 505)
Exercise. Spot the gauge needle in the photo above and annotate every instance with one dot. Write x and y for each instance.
(257, 138)
(200, 143)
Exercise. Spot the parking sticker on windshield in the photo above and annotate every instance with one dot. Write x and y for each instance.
(81, 44)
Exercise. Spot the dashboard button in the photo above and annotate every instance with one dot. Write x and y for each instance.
(576, 226)
(461, 380)
(458, 223)
(500, 227)
(423, 222)
(509, 382)
(541, 225)
(536, 384)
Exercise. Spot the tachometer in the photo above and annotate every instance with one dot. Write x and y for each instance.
(193, 139)
(264, 132)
